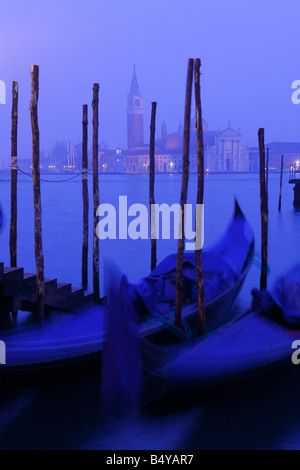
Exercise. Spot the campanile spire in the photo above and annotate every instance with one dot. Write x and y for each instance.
(135, 115)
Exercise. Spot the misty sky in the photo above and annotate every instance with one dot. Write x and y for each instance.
(249, 52)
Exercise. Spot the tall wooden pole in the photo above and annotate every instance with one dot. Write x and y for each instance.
(280, 190)
(184, 188)
(267, 173)
(85, 197)
(200, 193)
(96, 286)
(264, 211)
(151, 187)
(39, 258)
(14, 173)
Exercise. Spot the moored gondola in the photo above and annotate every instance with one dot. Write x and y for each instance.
(78, 336)
(257, 350)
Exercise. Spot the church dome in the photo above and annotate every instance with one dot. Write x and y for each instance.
(204, 125)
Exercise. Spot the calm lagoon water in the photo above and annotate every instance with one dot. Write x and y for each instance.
(66, 416)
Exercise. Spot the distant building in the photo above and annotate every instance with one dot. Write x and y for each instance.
(118, 161)
(290, 151)
(135, 115)
(254, 159)
(106, 160)
(223, 149)
(226, 152)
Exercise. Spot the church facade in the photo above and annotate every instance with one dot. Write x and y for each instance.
(224, 151)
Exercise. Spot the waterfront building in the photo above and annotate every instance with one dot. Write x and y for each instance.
(118, 161)
(223, 148)
(224, 151)
(290, 150)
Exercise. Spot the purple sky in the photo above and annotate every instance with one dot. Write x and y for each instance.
(249, 54)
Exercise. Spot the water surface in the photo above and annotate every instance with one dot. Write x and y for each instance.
(69, 415)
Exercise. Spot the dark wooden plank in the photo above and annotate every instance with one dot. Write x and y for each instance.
(12, 281)
(64, 288)
(88, 296)
(18, 292)
(78, 293)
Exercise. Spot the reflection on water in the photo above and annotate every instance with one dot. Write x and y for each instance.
(69, 415)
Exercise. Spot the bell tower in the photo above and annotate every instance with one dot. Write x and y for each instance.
(135, 115)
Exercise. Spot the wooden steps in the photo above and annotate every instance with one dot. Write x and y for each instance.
(18, 292)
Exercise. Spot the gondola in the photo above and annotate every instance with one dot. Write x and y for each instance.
(257, 350)
(225, 266)
(69, 338)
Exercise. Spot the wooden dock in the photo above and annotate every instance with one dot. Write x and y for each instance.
(18, 291)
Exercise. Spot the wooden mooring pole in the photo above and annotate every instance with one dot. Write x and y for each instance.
(39, 258)
(263, 211)
(184, 188)
(267, 173)
(151, 187)
(14, 174)
(200, 193)
(96, 286)
(85, 197)
(280, 188)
